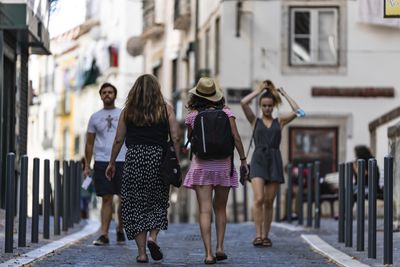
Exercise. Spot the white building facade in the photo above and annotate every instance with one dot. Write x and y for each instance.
(338, 59)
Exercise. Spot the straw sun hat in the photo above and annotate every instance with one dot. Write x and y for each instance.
(208, 89)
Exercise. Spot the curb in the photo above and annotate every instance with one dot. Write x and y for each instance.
(332, 253)
(91, 228)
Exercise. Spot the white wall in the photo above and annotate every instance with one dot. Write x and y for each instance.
(372, 60)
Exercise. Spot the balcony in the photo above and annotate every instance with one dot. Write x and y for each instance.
(182, 15)
(151, 28)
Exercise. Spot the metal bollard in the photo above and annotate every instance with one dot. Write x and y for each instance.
(289, 195)
(57, 197)
(23, 203)
(235, 210)
(348, 237)
(10, 203)
(278, 204)
(300, 195)
(372, 178)
(317, 202)
(245, 202)
(78, 181)
(72, 199)
(46, 202)
(342, 199)
(388, 212)
(360, 204)
(35, 201)
(309, 194)
(65, 200)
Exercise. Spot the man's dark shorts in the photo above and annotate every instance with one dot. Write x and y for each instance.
(102, 185)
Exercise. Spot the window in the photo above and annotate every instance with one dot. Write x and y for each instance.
(314, 36)
(308, 144)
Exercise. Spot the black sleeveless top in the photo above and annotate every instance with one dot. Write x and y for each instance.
(155, 134)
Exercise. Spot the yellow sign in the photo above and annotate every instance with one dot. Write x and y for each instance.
(392, 8)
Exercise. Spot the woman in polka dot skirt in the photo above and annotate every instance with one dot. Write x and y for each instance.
(144, 127)
(212, 176)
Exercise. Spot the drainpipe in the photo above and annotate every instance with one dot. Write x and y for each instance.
(196, 44)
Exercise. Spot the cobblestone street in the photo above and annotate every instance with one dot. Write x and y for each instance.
(182, 246)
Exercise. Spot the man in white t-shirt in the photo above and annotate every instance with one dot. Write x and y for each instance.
(101, 132)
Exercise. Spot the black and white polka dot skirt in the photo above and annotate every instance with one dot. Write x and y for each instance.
(143, 193)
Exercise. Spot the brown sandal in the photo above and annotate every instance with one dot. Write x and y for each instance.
(266, 242)
(257, 242)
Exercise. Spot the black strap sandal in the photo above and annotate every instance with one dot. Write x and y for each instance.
(266, 242)
(213, 261)
(257, 242)
(221, 256)
(155, 250)
(138, 260)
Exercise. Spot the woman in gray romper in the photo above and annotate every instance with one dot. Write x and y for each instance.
(266, 170)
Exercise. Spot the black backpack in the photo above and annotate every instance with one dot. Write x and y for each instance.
(212, 135)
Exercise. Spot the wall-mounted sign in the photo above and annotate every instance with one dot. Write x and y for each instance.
(392, 8)
(234, 95)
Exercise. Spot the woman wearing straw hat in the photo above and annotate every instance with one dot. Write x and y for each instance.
(218, 175)
(266, 170)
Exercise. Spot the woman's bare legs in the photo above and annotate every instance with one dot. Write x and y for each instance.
(257, 184)
(141, 245)
(270, 190)
(153, 235)
(220, 200)
(204, 198)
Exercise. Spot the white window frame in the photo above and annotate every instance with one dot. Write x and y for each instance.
(314, 35)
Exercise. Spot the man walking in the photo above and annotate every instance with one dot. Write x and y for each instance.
(100, 137)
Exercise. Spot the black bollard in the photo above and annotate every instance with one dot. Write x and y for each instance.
(245, 202)
(10, 204)
(289, 195)
(342, 199)
(317, 202)
(46, 202)
(300, 195)
(309, 194)
(35, 201)
(65, 200)
(78, 181)
(235, 211)
(278, 204)
(372, 177)
(23, 203)
(57, 197)
(72, 189)
(360, 204)
(348, 237)
(388, 212)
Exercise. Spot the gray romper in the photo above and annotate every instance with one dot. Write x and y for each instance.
(266, 161)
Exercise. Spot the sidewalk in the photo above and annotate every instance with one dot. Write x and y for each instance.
(18, 251)
(329, 233)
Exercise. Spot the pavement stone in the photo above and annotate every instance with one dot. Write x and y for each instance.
(18, 251)
(329, 233)
(182, 246)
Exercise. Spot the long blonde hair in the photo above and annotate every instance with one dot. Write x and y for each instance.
(145, 103)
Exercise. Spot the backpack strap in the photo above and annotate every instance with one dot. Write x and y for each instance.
(252, 137)
(166, 117)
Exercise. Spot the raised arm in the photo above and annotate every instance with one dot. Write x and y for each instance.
(174, 126)
(118, 142)
(245, 103)
(288, 117)
(90, 137)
